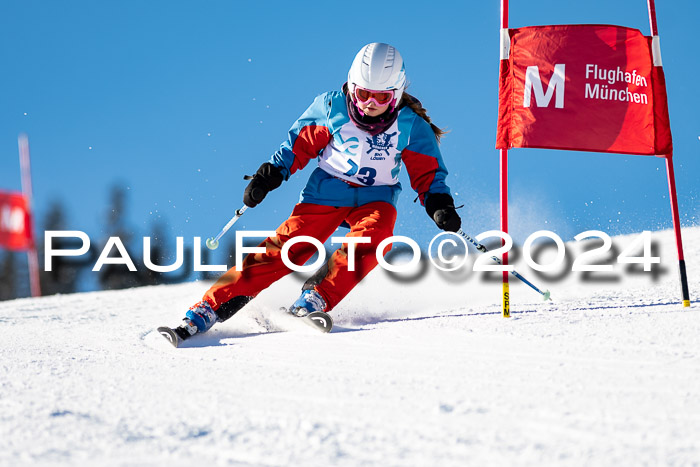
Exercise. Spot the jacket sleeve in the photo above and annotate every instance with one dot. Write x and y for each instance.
(308, 136)
(423, 161)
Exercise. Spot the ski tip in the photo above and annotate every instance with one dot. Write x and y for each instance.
(320, 320)
(170, 335)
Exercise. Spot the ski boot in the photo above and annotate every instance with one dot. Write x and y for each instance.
(311, 307)
(199, 318)
(309, 302)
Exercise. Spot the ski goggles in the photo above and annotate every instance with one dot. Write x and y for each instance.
(379, 97)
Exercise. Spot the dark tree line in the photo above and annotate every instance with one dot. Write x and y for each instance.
(68, 272)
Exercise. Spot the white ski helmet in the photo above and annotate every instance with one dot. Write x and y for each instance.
(379, 67)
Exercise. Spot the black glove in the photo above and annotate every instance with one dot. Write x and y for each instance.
(441, 208)
(267, 178)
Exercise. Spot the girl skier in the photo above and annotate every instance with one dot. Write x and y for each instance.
(360, 136)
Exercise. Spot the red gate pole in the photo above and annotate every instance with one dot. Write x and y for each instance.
(504, 160)
(685, 293)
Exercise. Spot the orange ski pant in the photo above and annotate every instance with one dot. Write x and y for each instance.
(259, 270)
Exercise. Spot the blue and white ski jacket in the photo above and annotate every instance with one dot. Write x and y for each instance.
(354, 167)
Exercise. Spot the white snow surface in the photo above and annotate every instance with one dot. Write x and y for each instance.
(415, 373)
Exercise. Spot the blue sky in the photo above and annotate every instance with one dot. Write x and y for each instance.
(178, 100)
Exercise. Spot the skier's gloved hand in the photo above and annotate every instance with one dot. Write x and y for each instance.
(267, 178)
(441, 208)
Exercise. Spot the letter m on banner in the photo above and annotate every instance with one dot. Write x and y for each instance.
(608, 96)
(15, 222)
(533, 83)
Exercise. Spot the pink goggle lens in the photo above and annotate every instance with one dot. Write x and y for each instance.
(380, 97)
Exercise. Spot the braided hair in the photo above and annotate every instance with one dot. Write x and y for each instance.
(415, 105)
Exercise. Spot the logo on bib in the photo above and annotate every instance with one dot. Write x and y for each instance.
(345, 146)
(380, 142)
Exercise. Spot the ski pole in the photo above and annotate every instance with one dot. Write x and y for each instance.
(213, 242)
(545, 295)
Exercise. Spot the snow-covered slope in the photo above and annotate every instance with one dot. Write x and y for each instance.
(416, 373)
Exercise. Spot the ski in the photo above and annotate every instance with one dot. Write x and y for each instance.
(173, 336)
(319, 320)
